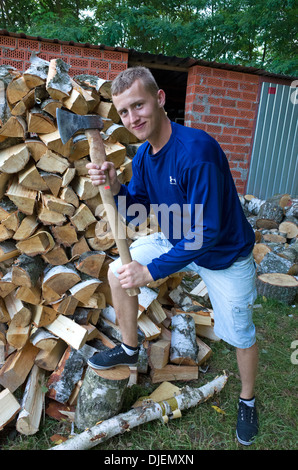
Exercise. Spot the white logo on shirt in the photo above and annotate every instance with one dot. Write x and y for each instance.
(172, 180)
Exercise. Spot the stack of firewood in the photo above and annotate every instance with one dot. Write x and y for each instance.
(275, 223)
(55, 247)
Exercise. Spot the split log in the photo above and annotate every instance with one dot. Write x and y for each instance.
(39, 243)
(58, 83)
(27, 270)
(68, 372)
(101, 395)
(16, 126)
(91, 262)
(23, 198)
(9, 407)
(259, 251)
(43, 339)
(29, 295)
(40, 122)
(14, 158)
(282, 287)
(17, 367)
(26, 228)
(43, 315)
(8, 250)
(60, 278)
(37, 72)
(149, 411)
(49, 360)
(31, 178)
(119, 133)
(52, 162)
(184, 348)
(17, 336)
(158, 353)
(20, 314)
(72, 333)
(32, 403)
(16, 90)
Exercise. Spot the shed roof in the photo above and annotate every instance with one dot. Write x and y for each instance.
(158, 60)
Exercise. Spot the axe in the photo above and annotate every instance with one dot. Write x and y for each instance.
(68, 124)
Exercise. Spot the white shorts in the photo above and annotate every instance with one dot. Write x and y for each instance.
(232, 291)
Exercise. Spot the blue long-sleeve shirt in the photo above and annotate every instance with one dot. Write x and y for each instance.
(189, 186)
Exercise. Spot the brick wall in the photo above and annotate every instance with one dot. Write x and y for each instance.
(104, 63)
(224, 104)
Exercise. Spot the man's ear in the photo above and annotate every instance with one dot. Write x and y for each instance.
(161, 98)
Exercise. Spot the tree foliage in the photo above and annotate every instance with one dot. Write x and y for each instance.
(260, 33)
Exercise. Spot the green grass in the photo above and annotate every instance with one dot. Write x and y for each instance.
(202, 427)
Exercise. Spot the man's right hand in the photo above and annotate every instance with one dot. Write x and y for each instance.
(98, 175)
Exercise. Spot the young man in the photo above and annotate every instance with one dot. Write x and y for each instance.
(183, 175)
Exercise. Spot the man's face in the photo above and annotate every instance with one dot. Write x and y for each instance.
(140, 111)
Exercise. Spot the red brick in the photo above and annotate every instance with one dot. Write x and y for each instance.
(246, 132)
(244, 123)
(249, 96)
(198, 125)
(236, 174)
(18, 64)
(244, 104)
(220, 73)
(230, 130)
(198, 108)
(79, 62)
(248, 87)
(116, 66)
(233, 94)
(7, 41)
(112, 55)
(231, 112)
(227, 147)
(218, 92)
(241, 148)
(99, 64)
(227, 121)
(240, 140)
(199, 70)
(228, 103)
(214, 82)
(214, 128)
(71, 50)
(231, 84)
(50, 47)
(28, 44)
(92, 52)
(247, 114)
(15, 54)
(226, 139)
(210, 119)
(216, 110)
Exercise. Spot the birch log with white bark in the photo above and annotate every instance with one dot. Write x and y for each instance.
(149, 411)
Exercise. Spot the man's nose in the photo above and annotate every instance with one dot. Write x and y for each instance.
(133, 116)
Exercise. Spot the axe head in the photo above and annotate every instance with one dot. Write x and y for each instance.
(70, 123)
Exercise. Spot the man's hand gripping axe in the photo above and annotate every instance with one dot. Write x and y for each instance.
(68, 124)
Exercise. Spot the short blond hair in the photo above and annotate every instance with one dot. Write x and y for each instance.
(127, 77)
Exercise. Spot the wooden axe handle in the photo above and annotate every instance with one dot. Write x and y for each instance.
(98, 156)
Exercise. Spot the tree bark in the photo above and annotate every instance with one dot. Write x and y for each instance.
(149, 411)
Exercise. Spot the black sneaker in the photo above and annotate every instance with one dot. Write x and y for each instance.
(113, 357)
(247, 424)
